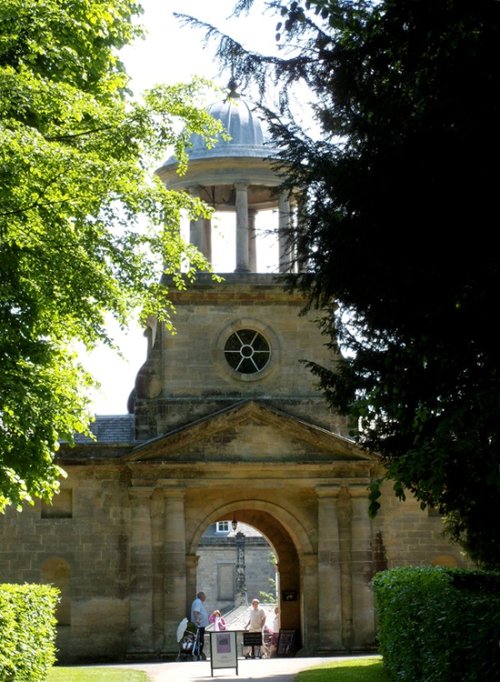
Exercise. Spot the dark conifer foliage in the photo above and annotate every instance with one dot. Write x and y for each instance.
(398, 225)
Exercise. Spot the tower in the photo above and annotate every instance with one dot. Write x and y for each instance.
(226, 408)
(243, 338)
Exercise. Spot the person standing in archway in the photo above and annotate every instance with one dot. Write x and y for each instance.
(275, 633)
(256, 622)
(199, 616)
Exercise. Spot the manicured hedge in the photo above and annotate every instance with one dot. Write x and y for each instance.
(439, 625)
(27, 632)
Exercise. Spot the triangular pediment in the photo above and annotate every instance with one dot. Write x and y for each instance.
(249, 431)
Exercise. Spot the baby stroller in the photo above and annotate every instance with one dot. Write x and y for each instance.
(188, 637)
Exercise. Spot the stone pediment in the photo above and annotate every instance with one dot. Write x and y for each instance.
(249, 431)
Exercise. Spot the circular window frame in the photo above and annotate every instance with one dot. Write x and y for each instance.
(241, 324)
(247, 351)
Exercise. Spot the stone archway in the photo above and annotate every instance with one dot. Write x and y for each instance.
(291, 544)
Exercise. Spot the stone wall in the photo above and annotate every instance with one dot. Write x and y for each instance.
(84, 552)
(217, 566)
(409, 536)
(206, 315)
(83, 545)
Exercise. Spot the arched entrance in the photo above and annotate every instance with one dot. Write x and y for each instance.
(288, 540)
(303, 487)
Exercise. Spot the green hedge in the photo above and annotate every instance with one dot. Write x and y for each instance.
(439, 625)
(27, 632)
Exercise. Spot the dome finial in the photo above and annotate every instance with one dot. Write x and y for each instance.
(233, 89)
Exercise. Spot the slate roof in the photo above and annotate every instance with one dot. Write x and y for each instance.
(116, 429)
(248, 531)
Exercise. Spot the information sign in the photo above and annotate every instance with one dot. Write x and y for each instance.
(223, 652)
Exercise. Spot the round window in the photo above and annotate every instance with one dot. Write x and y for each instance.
(247, 351)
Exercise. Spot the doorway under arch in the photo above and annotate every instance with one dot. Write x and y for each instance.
(289, 542)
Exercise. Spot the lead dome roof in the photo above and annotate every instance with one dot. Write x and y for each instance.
(247, 137)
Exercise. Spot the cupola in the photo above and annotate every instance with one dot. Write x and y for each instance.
(235, 175)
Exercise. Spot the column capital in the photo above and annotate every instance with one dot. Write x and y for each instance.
(140, 492)
(173, 492)
(309, 561)
(359, 489)
(192, 560)
(323, 491)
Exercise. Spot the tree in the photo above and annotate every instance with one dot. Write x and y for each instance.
(397, 205)
(85, 227)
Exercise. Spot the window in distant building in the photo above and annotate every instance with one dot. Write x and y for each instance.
(222, 526)
(225, 582)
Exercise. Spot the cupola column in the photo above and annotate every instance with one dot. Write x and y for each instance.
(242, 251)
(252, 242)
(200, 231)
(207, 239)
(283, 233)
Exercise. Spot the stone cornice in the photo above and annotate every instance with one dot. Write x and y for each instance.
(245, 288)
(169, 447)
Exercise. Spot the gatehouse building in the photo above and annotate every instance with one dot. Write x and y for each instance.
(225, 423)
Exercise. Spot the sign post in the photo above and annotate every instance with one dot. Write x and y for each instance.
(223, 651)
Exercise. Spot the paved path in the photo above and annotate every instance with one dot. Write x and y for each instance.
(271, 669)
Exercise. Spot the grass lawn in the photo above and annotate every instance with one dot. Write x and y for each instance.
(357, 670)
(62, 674)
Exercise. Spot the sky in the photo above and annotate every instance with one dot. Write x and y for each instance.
(170, 53)
(173, 53)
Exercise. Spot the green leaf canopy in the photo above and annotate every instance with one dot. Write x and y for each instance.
(86, 229)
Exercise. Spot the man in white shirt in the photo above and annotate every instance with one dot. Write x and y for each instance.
(199, 616)
(256, 621)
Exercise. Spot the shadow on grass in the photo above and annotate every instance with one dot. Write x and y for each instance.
(84, 674)
(356, 670)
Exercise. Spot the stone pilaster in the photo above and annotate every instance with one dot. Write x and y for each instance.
(311, 597)
(344, 514)
(141, 574)
(191, 585)
(329, 562)
(362, 571)
(175, 566)
(240, 591)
